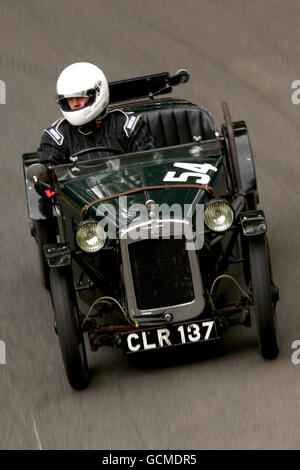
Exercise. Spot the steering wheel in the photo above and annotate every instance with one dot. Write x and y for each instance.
(95, 149)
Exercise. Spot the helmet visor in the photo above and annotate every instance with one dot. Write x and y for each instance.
(62, 100)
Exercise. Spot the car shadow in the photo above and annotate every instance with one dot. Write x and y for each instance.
(176, 356)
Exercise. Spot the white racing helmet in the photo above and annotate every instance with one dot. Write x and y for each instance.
(82, 79)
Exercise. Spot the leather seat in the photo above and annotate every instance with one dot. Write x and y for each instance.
(178, 125)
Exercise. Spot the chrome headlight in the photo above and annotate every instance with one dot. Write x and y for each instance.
(218, 216)
(90, 237)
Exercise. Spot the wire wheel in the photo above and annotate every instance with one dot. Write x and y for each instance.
(262, 293)
(70, 335)
(44, 233)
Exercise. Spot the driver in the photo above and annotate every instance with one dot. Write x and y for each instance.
(83, 97)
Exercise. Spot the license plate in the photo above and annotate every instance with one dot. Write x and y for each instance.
(171, 335)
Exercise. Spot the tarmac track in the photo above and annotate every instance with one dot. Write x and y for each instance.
(243, 52)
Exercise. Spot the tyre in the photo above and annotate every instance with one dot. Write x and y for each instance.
(245, 254)
(252, 201)
(44, 233)
(264, 304)
(69, 333)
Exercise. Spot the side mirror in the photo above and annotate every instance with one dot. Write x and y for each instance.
(37, 173)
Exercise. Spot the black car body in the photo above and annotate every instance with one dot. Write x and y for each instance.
(154, 281)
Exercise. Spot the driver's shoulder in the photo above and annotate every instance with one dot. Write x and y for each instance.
(127, 120)
(57, 130)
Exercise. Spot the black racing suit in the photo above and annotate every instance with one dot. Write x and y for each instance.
(127, 132)
(119, 130)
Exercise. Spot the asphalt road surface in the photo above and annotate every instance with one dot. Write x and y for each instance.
(246, 53)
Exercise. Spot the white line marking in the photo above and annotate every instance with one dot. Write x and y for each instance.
(36, 433)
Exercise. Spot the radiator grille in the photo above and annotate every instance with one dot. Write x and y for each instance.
(161, 273)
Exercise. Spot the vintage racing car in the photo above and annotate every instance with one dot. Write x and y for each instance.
(139, 245)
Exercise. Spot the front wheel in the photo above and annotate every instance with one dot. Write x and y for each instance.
(69, 332)
(44, 232)
(264, 304)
